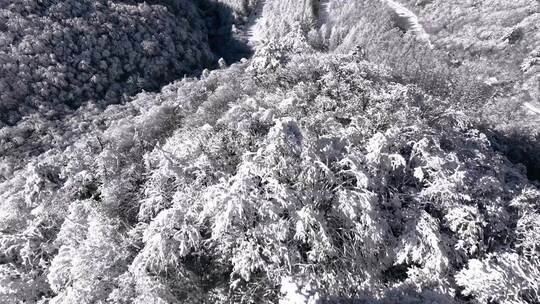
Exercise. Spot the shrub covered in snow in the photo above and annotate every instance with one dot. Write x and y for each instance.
(313, 171)
(305, 174)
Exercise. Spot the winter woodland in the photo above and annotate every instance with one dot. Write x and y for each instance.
(269, 151)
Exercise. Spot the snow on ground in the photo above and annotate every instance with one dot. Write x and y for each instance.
(324, 11)
(251, 32)
(533, 107)
(253, 26)
(409, 20)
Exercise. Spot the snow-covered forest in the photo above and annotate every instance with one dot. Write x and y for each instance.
(269, 151)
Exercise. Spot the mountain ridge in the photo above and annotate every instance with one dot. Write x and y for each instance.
(307, 173)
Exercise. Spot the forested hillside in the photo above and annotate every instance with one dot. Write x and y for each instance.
(349, 159)
(501, 40)
(57, 54)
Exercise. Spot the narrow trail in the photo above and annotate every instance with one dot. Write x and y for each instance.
(324, 12)
(409, 21)
(250, 32)
(535, 108)
(254, 24)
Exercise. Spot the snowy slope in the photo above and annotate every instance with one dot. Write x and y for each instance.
(237, 180)
(296, 175)
(533, 107)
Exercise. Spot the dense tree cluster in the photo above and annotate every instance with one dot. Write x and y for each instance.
(483, 56)
(294, 169)
(314, 171)
(56, 54)
(343, 26)
(280, 17)
(498, 39)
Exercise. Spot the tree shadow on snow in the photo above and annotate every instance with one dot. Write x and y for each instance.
(220, 20)
(518, 148)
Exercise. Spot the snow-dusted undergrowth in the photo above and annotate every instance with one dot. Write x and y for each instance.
(306, 173)
(218, 189)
